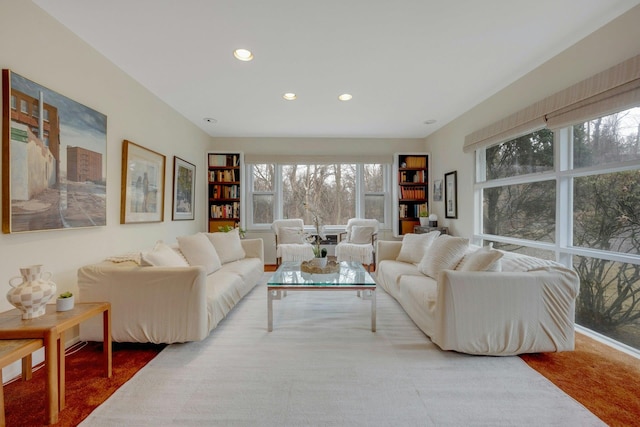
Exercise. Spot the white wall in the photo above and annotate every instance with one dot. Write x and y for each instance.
(316, 147)
(610, 45)
(37, 47)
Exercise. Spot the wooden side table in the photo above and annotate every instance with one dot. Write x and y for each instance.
(51, 328)
(12, 351)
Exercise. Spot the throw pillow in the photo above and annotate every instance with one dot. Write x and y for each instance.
(483, 259)
(290, 235)
(163, 256)
(198, 250)
(228, 245)
(414, 246)
(361, 235)
(443, 254)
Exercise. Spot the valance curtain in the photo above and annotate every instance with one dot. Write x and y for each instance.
(615, 89)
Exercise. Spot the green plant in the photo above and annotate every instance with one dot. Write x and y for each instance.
(322, 253)
(228, 228)
(65, 295)
(423, 213)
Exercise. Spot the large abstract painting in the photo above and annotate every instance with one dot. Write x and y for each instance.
(53, 159)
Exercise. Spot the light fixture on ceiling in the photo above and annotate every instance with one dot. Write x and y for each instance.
(243, 54)
(345, 97)
(290, 96)
(430, 121)
(210, 120)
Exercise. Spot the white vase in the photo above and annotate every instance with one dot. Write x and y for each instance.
(319, 262)
(64, 304)
(424, 221)
(32, 294)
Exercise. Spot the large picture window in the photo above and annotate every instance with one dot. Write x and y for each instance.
(339, 191)
(574, 195)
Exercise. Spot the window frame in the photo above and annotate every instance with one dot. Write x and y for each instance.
(563, 173)
(278, 195)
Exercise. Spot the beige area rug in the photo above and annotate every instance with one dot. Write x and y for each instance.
(322, 366)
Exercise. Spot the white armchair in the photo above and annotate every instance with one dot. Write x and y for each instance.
(359, 243)
(290, 241)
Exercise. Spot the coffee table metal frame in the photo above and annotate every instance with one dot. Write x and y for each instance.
(351, 277)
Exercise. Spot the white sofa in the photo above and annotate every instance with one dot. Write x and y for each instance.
(168, 304)
(527, 307)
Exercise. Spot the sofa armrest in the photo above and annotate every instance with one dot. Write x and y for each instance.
(503, 313)
(253, 248)
(148, 304)
(387, 249)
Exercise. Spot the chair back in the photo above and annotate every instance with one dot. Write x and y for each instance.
(279, 223)
(352, 222)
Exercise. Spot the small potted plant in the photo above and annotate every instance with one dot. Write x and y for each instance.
(424, 218)
(64, 301)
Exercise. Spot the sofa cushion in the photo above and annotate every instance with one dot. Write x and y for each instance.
(414, 246)
(483, 259)
(228, 245)
(515, 262)
(361, 235)
(198, 250)
(290, 236)
(443, 254)
(162, 256)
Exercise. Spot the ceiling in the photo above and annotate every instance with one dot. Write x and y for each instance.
(404, 61)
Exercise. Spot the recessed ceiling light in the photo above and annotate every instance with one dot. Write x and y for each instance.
(430, 121)
(289, 96)
(210, 120)
(345, 97)
(243, 54)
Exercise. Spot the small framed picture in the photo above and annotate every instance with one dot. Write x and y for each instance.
(437, 190)
(184, 182)
(143, 174)
(451, 194)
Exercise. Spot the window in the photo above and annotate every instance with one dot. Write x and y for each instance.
(340, 191)
(573, 195)
(14, 102)
(35, 110)
(45, 115)
(24, 106)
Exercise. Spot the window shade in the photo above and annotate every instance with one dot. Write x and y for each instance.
(615, 89)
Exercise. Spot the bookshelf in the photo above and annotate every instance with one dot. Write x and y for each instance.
(411, 190)
(224, 188)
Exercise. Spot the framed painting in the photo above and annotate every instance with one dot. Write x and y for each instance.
(451, 194)
(142, 193)
(184, 184)
(54, 173)
(437, 190)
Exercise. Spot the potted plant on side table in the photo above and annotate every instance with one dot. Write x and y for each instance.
(65, 301)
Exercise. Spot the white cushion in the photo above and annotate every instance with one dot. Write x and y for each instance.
(443, 254)
(228, 245)
(483, 259)
(163, 256)
(361, 235)
(414, 246)
(290, 235)
(198, 250)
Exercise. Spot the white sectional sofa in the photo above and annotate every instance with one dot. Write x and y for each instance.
(499, 303)
(174, 293)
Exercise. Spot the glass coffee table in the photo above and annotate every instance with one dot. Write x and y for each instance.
(351, 277)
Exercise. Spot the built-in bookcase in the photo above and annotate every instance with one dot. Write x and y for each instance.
(411, 190)
(224, 189)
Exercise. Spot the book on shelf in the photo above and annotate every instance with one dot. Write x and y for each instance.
(225, 160)
(223, 175)
(415, 161)
(226, 211)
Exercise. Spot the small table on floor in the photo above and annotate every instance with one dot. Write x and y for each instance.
(51, 328)
(351, 277)
(12, 351)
